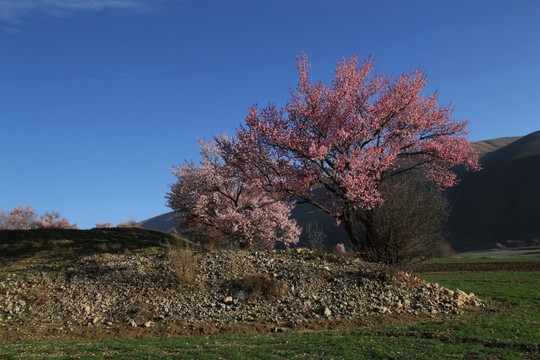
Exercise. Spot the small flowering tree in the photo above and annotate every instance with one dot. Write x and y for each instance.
(348, 139)
(24, 219)
(106, 225)
(216, 206)
(4, 218)
(53, 220)
(18, 218)
(131, 223)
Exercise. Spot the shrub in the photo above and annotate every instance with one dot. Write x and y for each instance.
(408, 226)
(316, 237)
(262, 286)
(183, 264)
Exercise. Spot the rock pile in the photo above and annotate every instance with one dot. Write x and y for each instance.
(229, 287)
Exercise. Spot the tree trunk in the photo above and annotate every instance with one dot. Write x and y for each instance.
(348, 220)
(365, 219)
(369, 228)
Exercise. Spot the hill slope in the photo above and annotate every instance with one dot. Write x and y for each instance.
(53, 248)
(487, 146)
(164, 222)
(501, 203)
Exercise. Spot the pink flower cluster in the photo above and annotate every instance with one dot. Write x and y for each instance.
(24, 219)
(349, 137)
(214, 204)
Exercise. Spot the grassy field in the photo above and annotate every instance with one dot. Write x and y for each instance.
(508, 328)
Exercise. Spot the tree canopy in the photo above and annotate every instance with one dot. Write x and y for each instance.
(349, 138)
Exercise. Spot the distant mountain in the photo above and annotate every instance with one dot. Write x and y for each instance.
(164, 222)
(499, 205)
(486, 146)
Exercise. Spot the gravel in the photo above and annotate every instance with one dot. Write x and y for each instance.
(290, 286)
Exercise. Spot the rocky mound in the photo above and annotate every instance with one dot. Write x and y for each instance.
(216, 289)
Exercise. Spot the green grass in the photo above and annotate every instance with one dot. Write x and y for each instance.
(512, 324)
(507, 329)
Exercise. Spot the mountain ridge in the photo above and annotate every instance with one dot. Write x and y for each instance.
(499, 205)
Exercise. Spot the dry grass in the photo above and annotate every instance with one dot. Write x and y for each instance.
(183, 264)
(261, 286)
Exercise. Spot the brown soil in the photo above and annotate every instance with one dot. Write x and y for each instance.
(126, 332)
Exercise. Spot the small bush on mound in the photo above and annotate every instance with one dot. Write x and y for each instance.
(183, 265)
(316, 237)
(261, 286)
(409, 225)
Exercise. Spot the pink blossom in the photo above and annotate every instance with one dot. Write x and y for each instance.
(131, 223)
(348, 138)
(106, 225)
(215, 205)
(341, 248)
(24, 219)
(20, 218)
(53, 220)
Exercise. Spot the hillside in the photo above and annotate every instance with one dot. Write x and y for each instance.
(53, 248)
(164, 222)
(486, 146)
(499, 205)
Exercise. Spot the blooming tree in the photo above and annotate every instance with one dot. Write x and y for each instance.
(24, 219)
(348, 138)
(53, 220)
(106, 225)
(18, 218)
(216, 206)
(131, 223)
(4, 218)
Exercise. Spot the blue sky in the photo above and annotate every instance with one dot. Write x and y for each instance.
(99, 98)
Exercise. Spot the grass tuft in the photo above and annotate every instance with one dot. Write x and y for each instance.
(183, 264)
(261, 286)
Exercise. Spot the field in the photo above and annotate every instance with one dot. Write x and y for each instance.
(507, 328)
